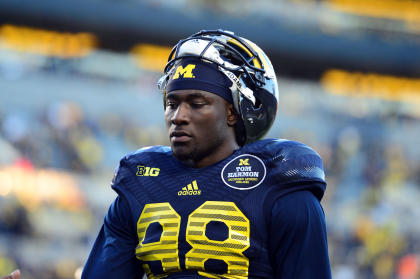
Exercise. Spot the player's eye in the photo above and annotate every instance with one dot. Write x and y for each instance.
(171, 104)
(198, 104)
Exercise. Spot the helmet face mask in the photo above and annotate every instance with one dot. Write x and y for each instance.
(254, 89)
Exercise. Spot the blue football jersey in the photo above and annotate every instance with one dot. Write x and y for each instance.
(255, 214)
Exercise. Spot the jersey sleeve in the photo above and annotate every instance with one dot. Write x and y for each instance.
(113, 254)
(298, 239)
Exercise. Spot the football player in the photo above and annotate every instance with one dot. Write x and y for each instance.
(219, 202)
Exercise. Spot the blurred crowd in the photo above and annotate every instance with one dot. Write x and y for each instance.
(61, 136)
(56, 164)
(372, 205)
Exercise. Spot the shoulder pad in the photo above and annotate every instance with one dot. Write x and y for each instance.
(129, 163)
(148, 151)
(290, 161)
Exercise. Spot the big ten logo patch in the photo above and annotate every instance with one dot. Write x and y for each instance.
(244, 172)
(184, 72)
(147, 171)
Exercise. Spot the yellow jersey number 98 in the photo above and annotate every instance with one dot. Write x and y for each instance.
(229, 250)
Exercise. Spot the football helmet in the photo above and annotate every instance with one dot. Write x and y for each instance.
(254, 89)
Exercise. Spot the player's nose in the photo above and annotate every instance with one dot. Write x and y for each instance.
(181, 115)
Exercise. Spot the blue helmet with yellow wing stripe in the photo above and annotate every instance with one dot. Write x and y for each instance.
(254, 89)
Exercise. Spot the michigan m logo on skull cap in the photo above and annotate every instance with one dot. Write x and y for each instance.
(184, 72)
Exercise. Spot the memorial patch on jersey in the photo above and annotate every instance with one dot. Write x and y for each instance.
(244, 172)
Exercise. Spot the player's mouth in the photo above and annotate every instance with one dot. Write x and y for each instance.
(180, 136)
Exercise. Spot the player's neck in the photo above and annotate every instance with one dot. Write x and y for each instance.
(215, 156)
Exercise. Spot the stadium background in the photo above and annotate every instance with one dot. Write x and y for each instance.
(78, 91)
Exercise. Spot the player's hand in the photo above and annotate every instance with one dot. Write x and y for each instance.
(14, 275)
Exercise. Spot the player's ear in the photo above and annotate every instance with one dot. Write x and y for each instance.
(232, 115)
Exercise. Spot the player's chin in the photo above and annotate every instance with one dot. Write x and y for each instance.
(181, 151)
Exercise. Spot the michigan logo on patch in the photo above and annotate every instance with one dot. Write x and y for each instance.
(244, 172)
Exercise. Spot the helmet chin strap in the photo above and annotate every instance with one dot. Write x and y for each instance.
(236, 84)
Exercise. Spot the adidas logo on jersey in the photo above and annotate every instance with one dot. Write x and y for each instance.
(190, 190)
